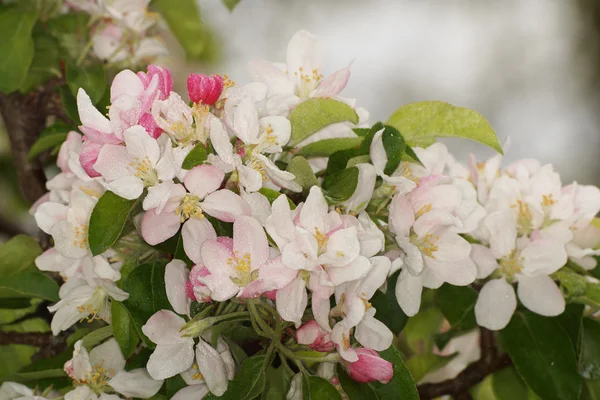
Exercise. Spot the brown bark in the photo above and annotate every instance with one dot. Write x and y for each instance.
(24, 119)
(489, 362)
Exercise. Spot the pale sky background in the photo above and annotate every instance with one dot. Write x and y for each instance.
(518, 62)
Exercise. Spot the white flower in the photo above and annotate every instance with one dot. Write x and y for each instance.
(129, 169)
(352, 300)
(174, 354)
(103, 370)
(427, 231)
(253, 169)
(300, 79)
(68, 224)
(527, 261)
(87, 296)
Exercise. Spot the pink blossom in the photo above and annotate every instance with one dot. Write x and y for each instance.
(204, 89)
(369, 367)
(313, 336)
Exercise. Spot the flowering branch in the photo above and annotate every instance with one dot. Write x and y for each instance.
(489, 362)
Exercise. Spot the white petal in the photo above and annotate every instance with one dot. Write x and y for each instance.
(203, 179)
(128, 187)
(541, 295)
(212, 367)
(169, 360)
(303, 54)
(373, 333)
(176, 278)
(48, 214)
(484, 260)
(495, 305)
(140, 145)
(292, 300)
(108, 355)
(135, 383)
(163, 328)
(194, 233)
(408, 292)
(89, 115)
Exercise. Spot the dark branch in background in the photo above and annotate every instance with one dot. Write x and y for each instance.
(25, 116)
(49, 344)
(489, 362)
(9, 228)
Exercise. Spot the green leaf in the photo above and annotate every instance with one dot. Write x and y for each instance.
(91, 79)
(183, 18)
(18, 254)
(340, 186)
(29, 283)
(326, 147)
(71, 31)
(457, 303)
(248, 383)
(317, 388)
(107, 221)
(24, 377)
(591, 390)
(402, 386)
(95, 337)
(123, 328)
(388, 309)
(304, 174)
(50, 137)
(195, 157)
(394, 146)
(277, 384)
(543, 355)
(572, 322)
(422, 364)
(147, 295)
(69, 104)
(313, 115)
(420, 123)
(14, 303)
(508, 385)
(173, 385)
(589, 362)
(355, 390)
(16, 47)
(420, 329)
(45, 63)
(230, 4)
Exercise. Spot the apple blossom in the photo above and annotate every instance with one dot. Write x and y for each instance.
(102, 370)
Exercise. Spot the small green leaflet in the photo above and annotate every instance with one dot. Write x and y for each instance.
(420, 123)
(313, 115)
(107, 221)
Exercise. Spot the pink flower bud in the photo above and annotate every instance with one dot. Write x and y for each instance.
(165, 80)
(204, 89)
(369, 367)
(88, 156)
(313, 336)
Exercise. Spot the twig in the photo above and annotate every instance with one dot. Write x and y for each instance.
(489, 362)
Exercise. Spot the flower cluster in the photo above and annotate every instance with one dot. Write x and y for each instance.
(122, 30)
(256, 245)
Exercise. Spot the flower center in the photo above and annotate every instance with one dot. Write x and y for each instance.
(322, 240)
(242, 267)
(80, 239)
(428, 244)
(524, 217)
(258, 166)
(189, 207)
(144, 170)
(96, 307)
(307, 82)
(197, 376)
(511, 264)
